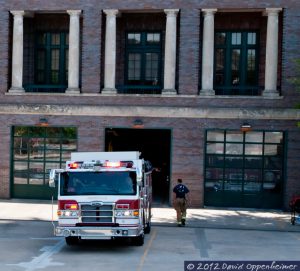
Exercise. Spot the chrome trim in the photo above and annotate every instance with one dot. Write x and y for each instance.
(99, 232)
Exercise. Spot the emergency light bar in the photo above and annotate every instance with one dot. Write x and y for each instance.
(97, 165)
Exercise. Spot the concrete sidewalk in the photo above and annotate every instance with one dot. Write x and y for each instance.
(204, 218)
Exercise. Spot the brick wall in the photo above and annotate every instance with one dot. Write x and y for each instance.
(189, 46)
(188, 134)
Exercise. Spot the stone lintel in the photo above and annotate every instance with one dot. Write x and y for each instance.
(152, 111)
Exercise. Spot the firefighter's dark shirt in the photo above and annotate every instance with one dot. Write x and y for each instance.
(180, 190)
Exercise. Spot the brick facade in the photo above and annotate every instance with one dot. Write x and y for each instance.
(187, 133)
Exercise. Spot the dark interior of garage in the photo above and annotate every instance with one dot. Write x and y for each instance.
(154, 146)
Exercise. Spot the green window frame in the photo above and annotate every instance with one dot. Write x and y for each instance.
(143, 60)
(51, 58)
(236, 62)
(244, 169)
(36, 150)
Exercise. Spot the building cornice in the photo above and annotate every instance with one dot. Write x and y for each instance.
(151, 111)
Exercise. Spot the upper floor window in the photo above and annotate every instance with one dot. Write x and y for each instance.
(51, 60)
(236, 63)
(143, 62)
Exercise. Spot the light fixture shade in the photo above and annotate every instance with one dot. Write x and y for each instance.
(246, 127)
(43, 122)
(138, 123)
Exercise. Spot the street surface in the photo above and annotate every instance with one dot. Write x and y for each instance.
(30, 245)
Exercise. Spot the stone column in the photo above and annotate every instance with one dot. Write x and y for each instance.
(170, 52)
(110, 52)
(74, 51)
(208, 53)
(17, 53)
(271, 53)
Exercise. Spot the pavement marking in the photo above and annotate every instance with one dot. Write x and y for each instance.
(201, 243)
(44, 260)
(141, 264)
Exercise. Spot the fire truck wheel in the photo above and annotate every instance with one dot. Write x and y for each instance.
(71, 241)
(147, 228)
(138, 241)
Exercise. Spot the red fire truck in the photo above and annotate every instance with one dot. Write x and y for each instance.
(103, 195)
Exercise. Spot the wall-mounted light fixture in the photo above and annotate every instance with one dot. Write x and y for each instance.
(138, 123)
(246, 127)
(43, 121)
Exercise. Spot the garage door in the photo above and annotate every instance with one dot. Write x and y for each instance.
(244, 169)
(36, 150)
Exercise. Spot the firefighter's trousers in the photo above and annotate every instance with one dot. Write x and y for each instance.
(180, 207)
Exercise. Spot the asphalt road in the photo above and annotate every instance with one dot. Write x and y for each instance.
(30, 245)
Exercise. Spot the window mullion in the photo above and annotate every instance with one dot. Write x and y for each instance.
(243, 60)
(228, 60)
(48, 59)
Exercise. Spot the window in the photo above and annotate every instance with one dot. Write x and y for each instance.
(98, 183)
(244, 169)
(51, 61)
(236, 63)
(143, 62)
(36, 150)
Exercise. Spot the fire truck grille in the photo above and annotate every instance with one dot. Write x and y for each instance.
(97, 214)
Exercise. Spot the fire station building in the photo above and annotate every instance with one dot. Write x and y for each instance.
(201, 88)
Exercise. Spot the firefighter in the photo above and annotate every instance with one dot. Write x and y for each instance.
(180, 201)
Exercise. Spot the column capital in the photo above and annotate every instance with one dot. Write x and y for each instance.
(209, 11)
(74, 12)
(171, 12)
(272, 11)
(17, 12)
(111, 12)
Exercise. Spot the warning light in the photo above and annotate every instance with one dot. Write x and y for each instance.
(112, 164)
(73, 165)
(68, 205)
(71, 206)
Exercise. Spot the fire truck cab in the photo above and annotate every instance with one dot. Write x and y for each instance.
(103, 195)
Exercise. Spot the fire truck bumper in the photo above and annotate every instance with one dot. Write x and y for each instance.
(98, 232)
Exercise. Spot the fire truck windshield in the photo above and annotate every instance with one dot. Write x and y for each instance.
(98, 183)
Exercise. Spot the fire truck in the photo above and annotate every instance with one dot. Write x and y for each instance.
(103, 195)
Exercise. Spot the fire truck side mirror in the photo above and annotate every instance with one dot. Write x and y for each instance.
(139, 181)
(139, 172)
(53, 177)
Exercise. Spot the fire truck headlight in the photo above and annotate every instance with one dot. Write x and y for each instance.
(126, 213)
(69, 214)
(119, 213)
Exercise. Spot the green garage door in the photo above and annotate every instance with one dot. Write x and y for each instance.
(244, 169)
(36, 150)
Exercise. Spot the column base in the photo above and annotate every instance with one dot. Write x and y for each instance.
(270, 93)
(72, 91)
(207, 92)
(169, 91)
(16, 90)
(109, 91)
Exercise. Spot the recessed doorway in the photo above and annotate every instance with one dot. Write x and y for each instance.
(154, 146)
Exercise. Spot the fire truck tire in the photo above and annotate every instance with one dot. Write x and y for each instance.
(147, 228)
(71, 241)
(138, 241)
